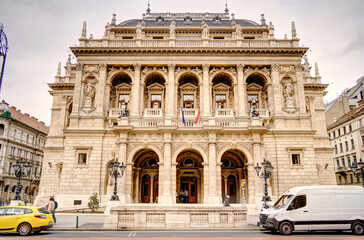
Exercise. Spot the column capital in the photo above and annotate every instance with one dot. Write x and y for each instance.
(275, 67)
(171, 66)
(205, 67)
(137, 66)
(240, 67)
(102, 66)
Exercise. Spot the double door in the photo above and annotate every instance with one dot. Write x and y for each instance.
(190, 185)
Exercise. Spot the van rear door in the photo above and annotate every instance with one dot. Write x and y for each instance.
(324, 210)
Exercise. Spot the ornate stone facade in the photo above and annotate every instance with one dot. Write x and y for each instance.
(190, 83)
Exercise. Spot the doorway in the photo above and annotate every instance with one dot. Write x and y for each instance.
(189, 184)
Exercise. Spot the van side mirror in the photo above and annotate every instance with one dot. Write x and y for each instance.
(290, 207)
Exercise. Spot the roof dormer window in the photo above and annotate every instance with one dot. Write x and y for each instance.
(216, 20)
(187, 20)
(160, 20)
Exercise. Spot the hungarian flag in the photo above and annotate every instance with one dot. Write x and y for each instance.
(198, 115)
(183, 116)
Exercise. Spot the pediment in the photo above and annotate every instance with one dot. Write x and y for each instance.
(221, 87)
(155, 87)
(123, 87)
(254, 87)
(188, 87)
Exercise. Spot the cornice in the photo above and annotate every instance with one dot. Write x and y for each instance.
(315, 86)
(135, 50)
(64, 86)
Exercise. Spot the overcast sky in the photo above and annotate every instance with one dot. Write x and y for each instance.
(41, 32)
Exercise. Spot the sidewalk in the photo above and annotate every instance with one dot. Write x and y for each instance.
(95, 222)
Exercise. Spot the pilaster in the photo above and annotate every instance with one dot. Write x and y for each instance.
(77, 97)
(100, 91)
(213, 197)
(166, 197)
(277, 96)
(135, 95)
(171, 95)
(242, 98)
(206, 91)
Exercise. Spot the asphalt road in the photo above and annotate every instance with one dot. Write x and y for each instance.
(182, 235)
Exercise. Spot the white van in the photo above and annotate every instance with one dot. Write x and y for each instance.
(313, 208)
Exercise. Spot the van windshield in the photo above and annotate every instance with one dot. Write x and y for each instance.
(282, 201)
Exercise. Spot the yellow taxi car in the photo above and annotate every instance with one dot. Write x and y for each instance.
(24, 219)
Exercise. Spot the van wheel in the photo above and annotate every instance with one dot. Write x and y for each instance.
(286, 228)
(24, 229)
(357, 228)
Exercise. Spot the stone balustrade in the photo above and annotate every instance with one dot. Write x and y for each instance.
(224, 112)
(153, 112)
(189, 43)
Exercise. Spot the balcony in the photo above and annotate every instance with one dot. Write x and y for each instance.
(153, 112)
(189, 112)
(224, 112)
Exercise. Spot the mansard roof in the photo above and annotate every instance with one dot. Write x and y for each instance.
(188, 19)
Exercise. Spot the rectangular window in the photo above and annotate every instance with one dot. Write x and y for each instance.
(352, 144)
(253, 98)
(188, 101)
(338, 163)
(123, 100)
(220, 100)
(362, 140)
(341, 147)
(127, 37)
(343, 162)
(156, 101)
(350, 128)
(346, 146)
(338, 132)
(335, 149)
(344, 129)
(349, 161)
(296, 159)
(333, 134)
(354, 160)
(82, 158)
(10, 167)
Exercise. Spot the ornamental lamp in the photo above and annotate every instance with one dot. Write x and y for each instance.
(353, 168)
(257, 168)
(122, 168)
(360, 164)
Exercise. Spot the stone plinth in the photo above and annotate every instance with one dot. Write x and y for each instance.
(175, 216)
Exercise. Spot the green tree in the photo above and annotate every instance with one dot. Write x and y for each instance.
(94, 202)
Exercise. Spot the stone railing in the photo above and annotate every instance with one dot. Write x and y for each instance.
(189, 112)
(153, 112)
(189, 43)
(115, 112)
(224, 112)
(227, 123)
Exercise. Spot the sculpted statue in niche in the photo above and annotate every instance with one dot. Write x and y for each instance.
(288, 92)
(89, 93)
(139, 30)
(238, 30)
(205, 30)
(172, 29)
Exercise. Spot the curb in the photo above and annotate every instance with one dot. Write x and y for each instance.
(159, 230)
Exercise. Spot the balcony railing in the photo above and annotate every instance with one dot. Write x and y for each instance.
(153, 112)
(115, 112)
(189, 43)
(224, 112)
(189, 112)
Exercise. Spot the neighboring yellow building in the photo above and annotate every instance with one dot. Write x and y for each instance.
(209, 97)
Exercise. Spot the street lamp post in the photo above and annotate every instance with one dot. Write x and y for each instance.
(360, 167)
(114, 172)
(21, 170)
(267, 167)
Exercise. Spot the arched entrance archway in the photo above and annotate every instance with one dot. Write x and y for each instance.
(233, 171)
(189, 177)
(146, 176)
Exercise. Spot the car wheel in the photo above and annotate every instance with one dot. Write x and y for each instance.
(357, 228)
(286, 228)
(24, 229)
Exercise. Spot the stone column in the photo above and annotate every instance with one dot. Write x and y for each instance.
(125, 188)
(277, 94)
(257, 159)
(77, 97)
(100, 91)
(166, 197)
(135, 92)
(206, 91)
(213, 197)
(300, 96)
(171, 95)
(242, 98)
(136, 184)
(151, 189)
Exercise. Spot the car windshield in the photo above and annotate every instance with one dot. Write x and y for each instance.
(43, 210)
(282, 201)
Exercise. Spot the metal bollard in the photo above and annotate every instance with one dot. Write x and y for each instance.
(77, 220)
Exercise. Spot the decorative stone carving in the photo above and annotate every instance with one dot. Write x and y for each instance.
(288, 92)
(275, 67)
(180, 70)
(139, 30)
(89, 95)
(79, 67)
(205, 30)
(308, 100)
(238, 30)
(172, 29)
(240, 67)
(102, 67)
